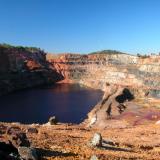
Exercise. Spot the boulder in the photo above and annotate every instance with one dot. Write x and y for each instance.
(53, 120)
(94, 157)
(158, 122)
(27, 153)
(8, 151)
(17, 137)
(96, 141)
(32, 130)
(3, 129)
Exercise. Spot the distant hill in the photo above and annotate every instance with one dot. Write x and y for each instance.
(108, 52)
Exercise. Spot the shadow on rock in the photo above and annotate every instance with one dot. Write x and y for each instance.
(125, 96)
(8, 152)
(110, 145)
(48, 153)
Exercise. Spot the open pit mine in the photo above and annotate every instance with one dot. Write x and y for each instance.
(124, 124)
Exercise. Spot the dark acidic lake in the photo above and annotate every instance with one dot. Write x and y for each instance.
(68, 102)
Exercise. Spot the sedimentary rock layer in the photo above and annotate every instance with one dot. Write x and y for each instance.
(141, 74)
(22, 67)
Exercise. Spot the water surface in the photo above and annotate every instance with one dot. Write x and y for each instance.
(69, 102)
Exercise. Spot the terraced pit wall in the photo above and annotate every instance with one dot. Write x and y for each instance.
(22, 67)
(140, 74)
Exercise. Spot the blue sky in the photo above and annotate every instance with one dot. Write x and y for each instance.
(82, 26)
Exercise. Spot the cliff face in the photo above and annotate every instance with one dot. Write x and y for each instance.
(23, 68)
(138, 73)
(123, 78)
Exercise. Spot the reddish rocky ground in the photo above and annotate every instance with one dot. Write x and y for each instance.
(67, 142)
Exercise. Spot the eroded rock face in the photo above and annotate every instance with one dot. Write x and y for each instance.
(111, 106)
(22, 68)
(138, 73)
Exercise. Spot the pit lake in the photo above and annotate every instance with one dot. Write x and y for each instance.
(68, 102)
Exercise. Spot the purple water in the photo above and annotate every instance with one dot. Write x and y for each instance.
(68, 102)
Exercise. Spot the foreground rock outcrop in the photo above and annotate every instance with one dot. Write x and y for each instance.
(15, 145)
(70, 142)
(23, 67)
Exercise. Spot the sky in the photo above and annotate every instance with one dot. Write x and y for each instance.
(82, 26)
